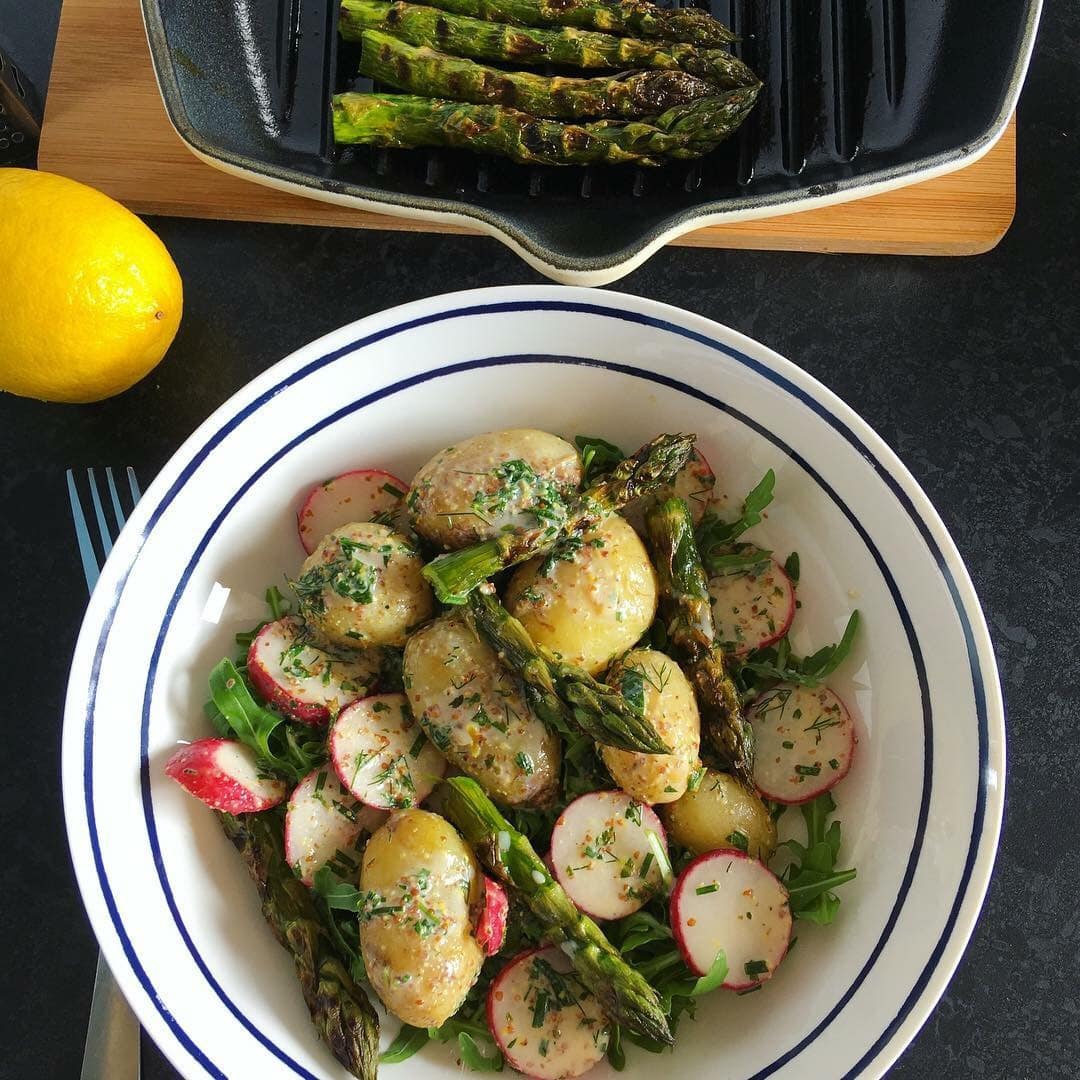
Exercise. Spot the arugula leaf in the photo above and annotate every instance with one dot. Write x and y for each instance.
(282, 748)
(716, 975)
(740, 560)
(408, 1041)
(334, 892)
(475, 1058)
(598, 456)
(777, 663)
(811, 878)
(714, 536)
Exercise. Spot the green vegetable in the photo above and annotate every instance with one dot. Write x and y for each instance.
(777, 663)
(531, 46)
(407, 1042)
(564, 696)
(284, 749)
(455, 574)
(636, 17)
(430, 73)
(812, 877)
(405, 121)
(715, 537)
(598, 456)
(339, 1008)
(622, 992)
(686, 608)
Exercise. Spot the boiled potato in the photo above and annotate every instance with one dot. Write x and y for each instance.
(420, 953)
(489, 484)
(588, 602)
(473, 710)
(362, 586)
(721, 813)
(671, 708)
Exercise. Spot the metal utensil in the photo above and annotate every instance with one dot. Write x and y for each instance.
(20, 115)
(112, 1034)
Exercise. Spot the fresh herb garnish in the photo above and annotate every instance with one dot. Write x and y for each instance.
(715, 537)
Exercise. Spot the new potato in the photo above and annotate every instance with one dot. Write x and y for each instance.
(670, 706)
(477, 488)
(473, 710)
(707, 819)
(421, 955)
(592, 605)
(362, 586)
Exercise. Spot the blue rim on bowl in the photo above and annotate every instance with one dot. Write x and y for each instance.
(79, 734)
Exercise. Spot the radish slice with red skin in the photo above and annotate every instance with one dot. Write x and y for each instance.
(601, 855)
(752, 610)
(491, 926)
(223, 774)
(381, 754)
(324, 824)
(804, 742)
(694, 482)
(304, 681)
(354, 496)
(548, 1028)
(727, 900)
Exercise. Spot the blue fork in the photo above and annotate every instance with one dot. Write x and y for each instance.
(112, 1034)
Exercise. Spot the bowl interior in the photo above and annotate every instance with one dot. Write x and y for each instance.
(165, 889)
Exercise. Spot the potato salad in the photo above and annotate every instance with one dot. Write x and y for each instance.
(507, 757)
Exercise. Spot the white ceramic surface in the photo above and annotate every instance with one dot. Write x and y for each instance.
(171, 903)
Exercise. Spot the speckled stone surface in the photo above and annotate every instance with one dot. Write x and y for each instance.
(970, 368)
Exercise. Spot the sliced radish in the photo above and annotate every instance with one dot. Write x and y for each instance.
(601, 854)
(752, 610)
(224, 775)
(544, 1020)
(354, 496)
(725, 900)
(804, 742)
(381, 754)
(325, 825)
(491, 926)
(694, 482)
(304, 681)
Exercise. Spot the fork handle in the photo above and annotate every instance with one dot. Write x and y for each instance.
(112, 1036)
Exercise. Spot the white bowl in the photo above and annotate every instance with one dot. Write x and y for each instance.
(170, 902)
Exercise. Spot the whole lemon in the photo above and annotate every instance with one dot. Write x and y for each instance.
(89, 297)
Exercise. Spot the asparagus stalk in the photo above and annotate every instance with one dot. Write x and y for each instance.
(481, 40)
(687, 611)
(635, 17)
(564, 696)
(404, 121)
(455, 574)
(429, 73)
(623, 994)
(339, 1009)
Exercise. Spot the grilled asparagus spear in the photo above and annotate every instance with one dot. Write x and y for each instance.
(564, 696)
(637, 17)
(687, 611)
(339, 1009)
(403, 121)
(455, 574)
(480, 40)
(623, 994)
(425, 71)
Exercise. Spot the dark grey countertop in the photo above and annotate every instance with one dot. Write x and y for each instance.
(967, 367)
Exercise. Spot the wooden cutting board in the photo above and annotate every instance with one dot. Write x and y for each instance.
(105, 125)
